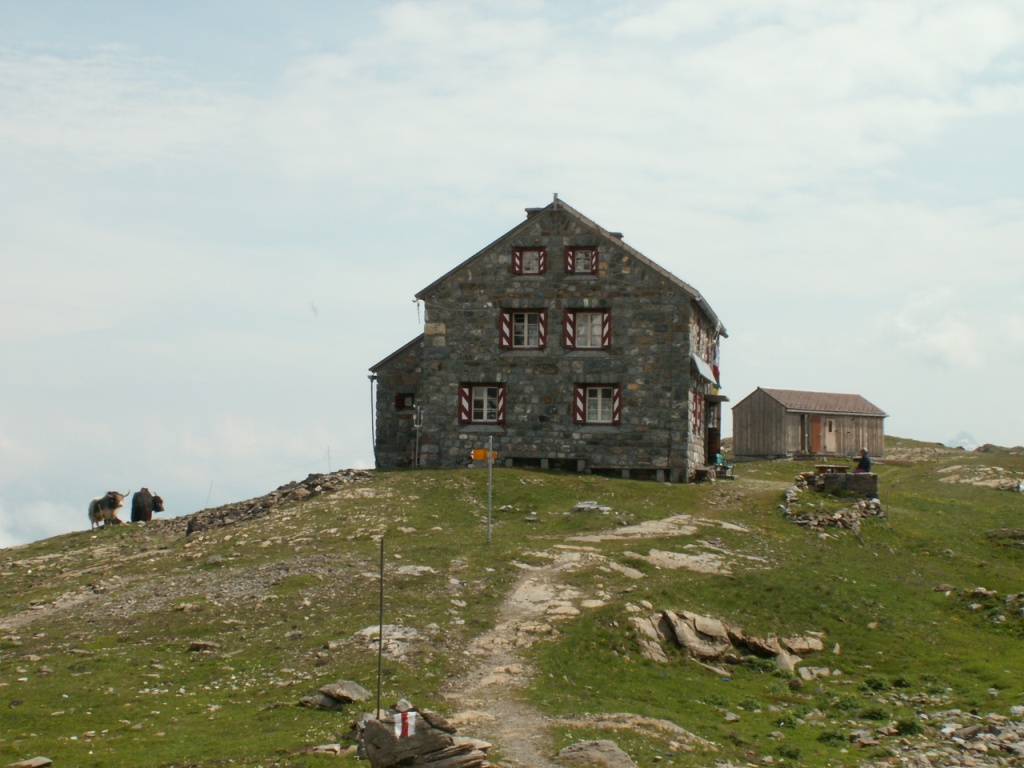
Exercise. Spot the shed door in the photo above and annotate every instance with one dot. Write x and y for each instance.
(830, 435)
(815, 433)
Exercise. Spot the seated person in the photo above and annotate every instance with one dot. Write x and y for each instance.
(721, 468)
(864, 462)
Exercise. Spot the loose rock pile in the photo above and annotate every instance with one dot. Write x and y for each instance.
(848, 518)
(407, 736)
(963, 740)
(228, 514)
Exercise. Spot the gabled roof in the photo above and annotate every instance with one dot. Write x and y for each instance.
(561, 205)
(823, 402)
(398, 352)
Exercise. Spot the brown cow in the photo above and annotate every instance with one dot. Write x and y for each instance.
(103, 509)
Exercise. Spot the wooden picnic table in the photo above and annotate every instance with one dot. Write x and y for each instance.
(827, 469)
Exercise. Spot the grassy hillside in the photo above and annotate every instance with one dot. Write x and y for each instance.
(96, 626)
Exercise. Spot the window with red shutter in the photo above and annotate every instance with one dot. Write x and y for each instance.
(481, 404)
(523, 329)
(587, 329)
(597, 404)
(529, 261)
(581, 261)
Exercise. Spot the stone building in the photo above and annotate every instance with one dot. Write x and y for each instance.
(566, 347)
(789, 422)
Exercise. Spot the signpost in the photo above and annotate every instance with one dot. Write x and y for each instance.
(487, 454)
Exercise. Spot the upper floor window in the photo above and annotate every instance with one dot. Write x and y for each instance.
(523, 329)
(405, 401)
(581, 261)
(481, 403)
(529, 261)
(597, 404)
(587, 329)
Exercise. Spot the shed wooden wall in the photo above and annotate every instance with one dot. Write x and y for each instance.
(759, 426)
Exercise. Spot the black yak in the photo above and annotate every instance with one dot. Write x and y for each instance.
(144, 504)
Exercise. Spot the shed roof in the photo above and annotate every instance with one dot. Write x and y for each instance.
(823, 402)
(560, 205)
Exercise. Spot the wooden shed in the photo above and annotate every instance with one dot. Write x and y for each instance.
(787, 422)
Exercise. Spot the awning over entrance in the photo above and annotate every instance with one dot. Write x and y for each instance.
(704, 369)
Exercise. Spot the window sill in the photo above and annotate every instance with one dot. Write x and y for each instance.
(485, 429)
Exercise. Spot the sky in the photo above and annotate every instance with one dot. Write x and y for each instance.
(214, 214)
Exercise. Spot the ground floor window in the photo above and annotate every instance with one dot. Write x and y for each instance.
(481, 403)
(597, 404)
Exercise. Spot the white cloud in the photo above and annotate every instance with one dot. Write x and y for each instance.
(111, 108)
(168, 222)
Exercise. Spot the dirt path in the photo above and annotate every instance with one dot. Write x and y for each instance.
(491, 694)
(490, 697)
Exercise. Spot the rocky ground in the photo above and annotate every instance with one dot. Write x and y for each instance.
(489, 699)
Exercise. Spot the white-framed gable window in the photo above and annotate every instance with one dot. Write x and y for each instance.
(587, 329)
(523, 329)
(581, 260)
(481, 403)
(597, 404)
(529, 261)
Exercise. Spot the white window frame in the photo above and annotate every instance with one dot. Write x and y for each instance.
(590, 330)
(597, 404)
(600, 404)
(526, 330)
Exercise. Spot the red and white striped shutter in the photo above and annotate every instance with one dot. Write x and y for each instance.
(465, 404)
(501, 405)
(542, 261)
(542, 328)
(505, 329)
(579, 404)
(517, 262)
(606, 330)
(593, 262)
(617, 405)
(569, 329)
(570, 261)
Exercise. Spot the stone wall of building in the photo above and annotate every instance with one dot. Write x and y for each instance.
(397, 395)
(649, 358)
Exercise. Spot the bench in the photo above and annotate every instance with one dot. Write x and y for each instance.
(710, 472)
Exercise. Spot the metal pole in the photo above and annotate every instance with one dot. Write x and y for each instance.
(380, 644)
(490, 476)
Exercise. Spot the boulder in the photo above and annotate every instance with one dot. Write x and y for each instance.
(603, 753)
(802, 645)
(345, 691)
(695, 642)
